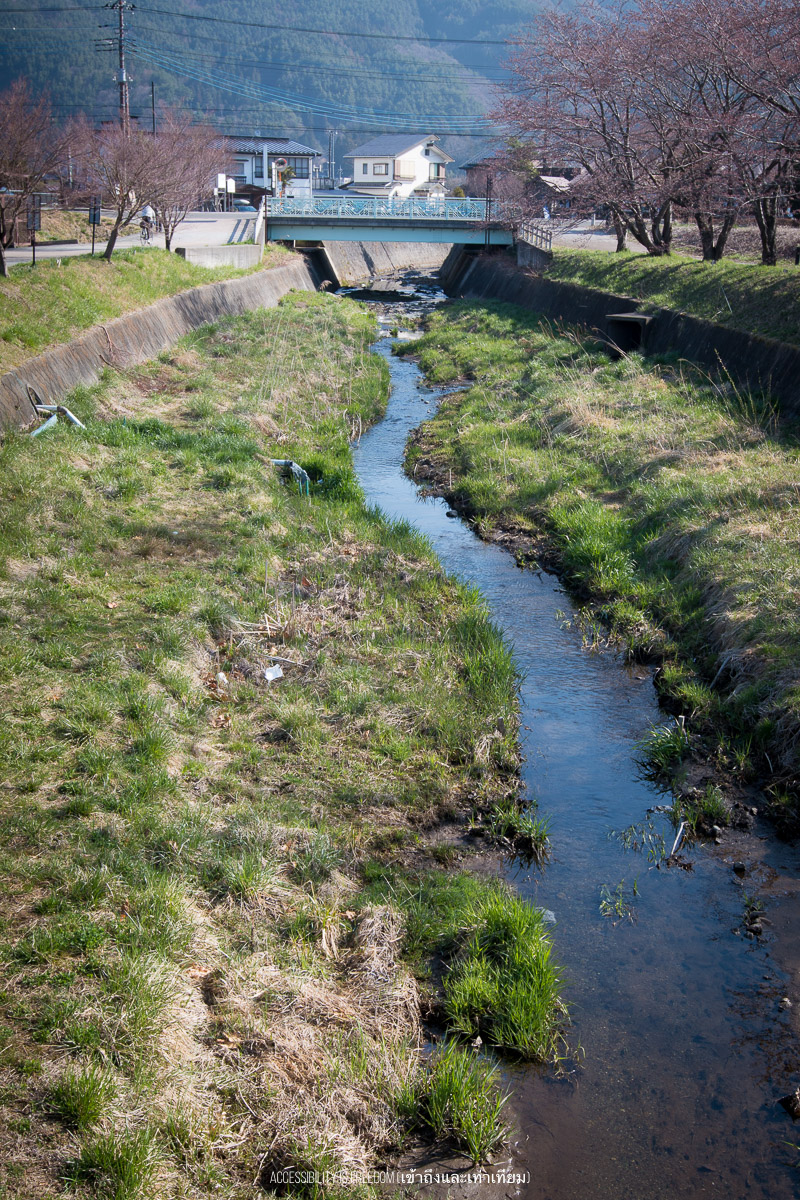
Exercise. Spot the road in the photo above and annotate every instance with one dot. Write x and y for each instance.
(199, 229)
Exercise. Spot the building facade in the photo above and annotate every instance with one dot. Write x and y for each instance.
(255, 171)
(398, 164)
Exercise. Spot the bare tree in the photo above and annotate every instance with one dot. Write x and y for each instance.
(117, 163)
(185, 159)
(30, 150)
(579, 97)
(693, 104)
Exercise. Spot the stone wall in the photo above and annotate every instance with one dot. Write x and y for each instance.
(139, 336)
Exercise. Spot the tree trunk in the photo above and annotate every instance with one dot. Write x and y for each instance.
(112, 241)
(661, 230)
(621, 230)
(766, 214)
(168, 232)
(713, 250)
(3, 263)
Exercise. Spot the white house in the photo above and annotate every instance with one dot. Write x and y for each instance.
(254, 161)
(399, 164)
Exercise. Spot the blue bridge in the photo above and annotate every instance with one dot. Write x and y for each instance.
(389, 219)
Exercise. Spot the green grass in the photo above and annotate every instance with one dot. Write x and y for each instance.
(755, 299)
(43, 305)
(81, 1096)
(459, 1102)
(500, 981)
(667, 500)
(184, 845)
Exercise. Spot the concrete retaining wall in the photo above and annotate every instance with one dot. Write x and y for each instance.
(222, 256)
(349, 263)
(755, 362)
(139, 336)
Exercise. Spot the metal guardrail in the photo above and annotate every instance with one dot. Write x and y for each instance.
(371, 207)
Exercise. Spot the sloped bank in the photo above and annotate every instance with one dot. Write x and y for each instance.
(138, 336)
(760, 363)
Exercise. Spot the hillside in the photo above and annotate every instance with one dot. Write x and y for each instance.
(357, 54)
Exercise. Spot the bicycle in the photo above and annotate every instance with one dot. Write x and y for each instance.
(144, 233)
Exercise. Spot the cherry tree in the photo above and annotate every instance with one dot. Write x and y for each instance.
(31, 149)
(185, 159)
(117, 164)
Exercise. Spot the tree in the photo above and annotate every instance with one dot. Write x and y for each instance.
(116, 163)
(579, 98)
(185, 159)
(755, 43)
(30, 150)
(692, 104)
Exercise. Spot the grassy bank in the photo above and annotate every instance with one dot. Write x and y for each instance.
(60, 224)
(50, 303)
(670, 503)
(754, 299)
(219, 914)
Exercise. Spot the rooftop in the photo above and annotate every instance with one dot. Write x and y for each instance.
(394, 144)
(254, 144)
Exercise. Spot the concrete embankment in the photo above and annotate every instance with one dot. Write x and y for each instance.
(139, 336)
(750, 361)
(348, 263)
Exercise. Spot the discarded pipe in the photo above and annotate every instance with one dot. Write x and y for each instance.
(47, 425)
(678, 839)
(60, 411)
(289, 467)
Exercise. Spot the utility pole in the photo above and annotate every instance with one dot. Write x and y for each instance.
(153, 103)
(121, 7)
(331, 153)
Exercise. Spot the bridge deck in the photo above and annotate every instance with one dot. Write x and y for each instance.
(387, 219)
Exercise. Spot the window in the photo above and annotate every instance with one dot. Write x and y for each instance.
(427, 151)
(436, 171)
(380, 169)
(365, 168)
(258, 167)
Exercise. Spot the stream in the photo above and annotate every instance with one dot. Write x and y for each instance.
(685, 1044)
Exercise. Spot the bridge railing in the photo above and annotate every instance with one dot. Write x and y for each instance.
(371, 207)
(536, 233)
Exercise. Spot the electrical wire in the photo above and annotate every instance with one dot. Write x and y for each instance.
(389, 37)
(338, 112)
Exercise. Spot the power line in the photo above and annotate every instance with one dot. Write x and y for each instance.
(337, 112)
(387, 37)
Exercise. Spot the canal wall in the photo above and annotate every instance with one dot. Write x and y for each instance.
(758, 363)
(348, 263)
(139, 336)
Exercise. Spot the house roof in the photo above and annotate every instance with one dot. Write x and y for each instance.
(257, 145)
(557, 182)
(392, 145)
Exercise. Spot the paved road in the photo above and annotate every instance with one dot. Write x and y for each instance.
(199, 229)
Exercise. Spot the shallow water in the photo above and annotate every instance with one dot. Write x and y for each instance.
(685, 1048)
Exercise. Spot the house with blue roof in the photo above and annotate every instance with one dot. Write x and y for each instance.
(258, 160)
(399, 164)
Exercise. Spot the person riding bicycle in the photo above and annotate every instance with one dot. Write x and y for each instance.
(148, 220)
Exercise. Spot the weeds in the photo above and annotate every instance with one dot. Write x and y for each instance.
(617, 904)
(459, 1102)
(81, 1096)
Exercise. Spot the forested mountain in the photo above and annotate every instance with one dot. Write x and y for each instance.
(288, 69)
